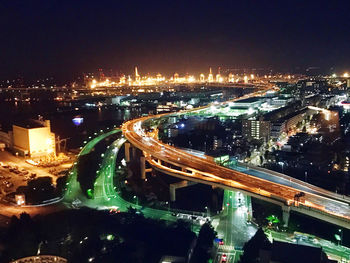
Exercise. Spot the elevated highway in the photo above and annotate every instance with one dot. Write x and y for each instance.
(285, 191)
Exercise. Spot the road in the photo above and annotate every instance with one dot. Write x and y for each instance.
(73, 191)
(205, 170)
(106, 194)
(232, 224)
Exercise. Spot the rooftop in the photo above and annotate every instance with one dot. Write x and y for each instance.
(249, 100)
(29, 124)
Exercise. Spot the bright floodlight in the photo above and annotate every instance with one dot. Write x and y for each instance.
(77, 121)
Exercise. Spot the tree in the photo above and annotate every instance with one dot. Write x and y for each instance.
(38, 190)
(21, 238)
(248, 154)
(206, 236)
(252, 247)
(266, 155)
(204, 244)
(60, 185)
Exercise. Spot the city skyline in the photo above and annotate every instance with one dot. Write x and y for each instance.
(174, 131)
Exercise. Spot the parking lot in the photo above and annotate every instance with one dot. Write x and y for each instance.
(15, 172)
(12, 176)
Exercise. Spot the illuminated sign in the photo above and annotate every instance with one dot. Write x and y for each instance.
(78, 120)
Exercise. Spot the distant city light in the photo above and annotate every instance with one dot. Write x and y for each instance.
(138, 80)
(245, 79)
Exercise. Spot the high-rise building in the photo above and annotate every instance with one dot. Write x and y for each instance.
(34, 138)
(217, 143)
(256, 129)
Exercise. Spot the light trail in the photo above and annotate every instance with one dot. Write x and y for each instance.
(207, 170)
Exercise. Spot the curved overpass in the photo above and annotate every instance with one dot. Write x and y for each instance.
(316, 202)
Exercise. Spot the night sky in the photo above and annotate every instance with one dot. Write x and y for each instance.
(64, 38)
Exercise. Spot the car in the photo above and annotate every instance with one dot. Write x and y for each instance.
(223, 258)
(114, 211)
(219, 241)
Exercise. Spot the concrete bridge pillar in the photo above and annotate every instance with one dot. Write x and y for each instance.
(134, 152)
(285, 214)
(172, 191)
(173, 187)
(144, 170)
(143, 167)
(127, 152)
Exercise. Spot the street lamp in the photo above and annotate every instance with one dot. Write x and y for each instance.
(167, 203)
(339, 237)
(207, 209)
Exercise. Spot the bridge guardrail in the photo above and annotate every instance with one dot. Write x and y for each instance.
(291, 179)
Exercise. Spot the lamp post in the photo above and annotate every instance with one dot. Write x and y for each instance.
(339, 237)
(137, 201)
(207, 209)
(167, 203)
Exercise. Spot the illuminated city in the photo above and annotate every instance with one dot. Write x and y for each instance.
(173, 132)
(159, 79)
